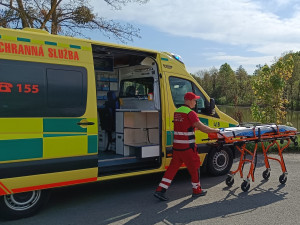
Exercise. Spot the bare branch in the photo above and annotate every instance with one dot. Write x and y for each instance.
(54, 4)
(117, 4)
(70, 17)
(23, 14)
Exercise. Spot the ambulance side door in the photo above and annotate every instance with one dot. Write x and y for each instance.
(44, 130)
(178, 86)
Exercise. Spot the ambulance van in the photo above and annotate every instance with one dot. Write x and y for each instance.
(74, 111)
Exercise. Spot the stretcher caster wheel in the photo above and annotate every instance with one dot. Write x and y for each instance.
(245, 186)
(283, 178)
(266, 174)
(229, 181)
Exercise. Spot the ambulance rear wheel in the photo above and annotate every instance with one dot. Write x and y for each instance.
(219, 161)
(20, 205)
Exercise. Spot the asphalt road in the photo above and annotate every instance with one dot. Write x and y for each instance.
(131, 201)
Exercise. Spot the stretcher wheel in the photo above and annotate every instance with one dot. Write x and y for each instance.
(266, 174)
(283, 178)
(245, 186)
(229, 181)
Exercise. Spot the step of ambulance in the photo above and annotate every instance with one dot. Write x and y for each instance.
(126, 164)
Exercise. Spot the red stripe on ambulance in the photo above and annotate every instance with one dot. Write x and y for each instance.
(60, 184)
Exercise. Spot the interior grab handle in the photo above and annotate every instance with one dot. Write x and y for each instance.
(85, 123)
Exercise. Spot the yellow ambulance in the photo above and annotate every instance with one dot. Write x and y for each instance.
(74, 111)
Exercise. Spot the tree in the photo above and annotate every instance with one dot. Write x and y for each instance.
(207, 80)
(268, 85)
(226, 85)
(197, 78)
(67, 17)
(244, 90)
(293, 84)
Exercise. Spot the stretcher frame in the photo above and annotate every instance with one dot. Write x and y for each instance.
(240, 143)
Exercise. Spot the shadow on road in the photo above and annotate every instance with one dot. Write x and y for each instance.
(125, 202)
(131, 201)
(233, 204)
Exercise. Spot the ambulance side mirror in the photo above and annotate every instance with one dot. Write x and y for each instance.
(212, 105)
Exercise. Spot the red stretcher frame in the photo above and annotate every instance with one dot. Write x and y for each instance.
(240, 143)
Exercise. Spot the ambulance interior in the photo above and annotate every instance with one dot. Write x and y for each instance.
(129, 110)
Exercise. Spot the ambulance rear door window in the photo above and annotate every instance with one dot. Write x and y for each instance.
(66, 93)
(22, 89)
(29, 89)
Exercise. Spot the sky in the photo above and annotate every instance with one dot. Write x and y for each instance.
(208, 33)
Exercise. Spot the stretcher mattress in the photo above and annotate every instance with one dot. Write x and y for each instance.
(254, 131)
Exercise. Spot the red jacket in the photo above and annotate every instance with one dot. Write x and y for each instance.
(184, 132)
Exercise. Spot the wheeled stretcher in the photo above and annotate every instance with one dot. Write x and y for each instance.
(271, 135)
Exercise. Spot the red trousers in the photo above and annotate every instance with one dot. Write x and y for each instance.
(192, 161)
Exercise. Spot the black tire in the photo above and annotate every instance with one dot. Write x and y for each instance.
(283, 178)
(22, 205)
(219, 162)
(266, 174)
(245, 186)
(229, 181)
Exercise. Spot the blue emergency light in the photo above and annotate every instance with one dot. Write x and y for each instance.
(178, 58)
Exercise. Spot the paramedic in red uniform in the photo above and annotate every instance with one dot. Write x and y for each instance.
(184, 147)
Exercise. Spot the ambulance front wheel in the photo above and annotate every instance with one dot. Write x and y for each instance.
(219, 161)
(25, 204)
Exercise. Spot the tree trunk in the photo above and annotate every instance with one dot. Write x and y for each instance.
(54, 24)
(52, 13)
(22, 14)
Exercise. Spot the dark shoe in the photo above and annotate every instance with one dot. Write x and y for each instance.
(202, 193)
(160, 195)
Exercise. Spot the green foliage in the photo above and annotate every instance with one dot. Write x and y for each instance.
(269, 83)
(292, 88)
(226, 84)
(244, 92)
(270, 91)
(222, 100)
(274, 149)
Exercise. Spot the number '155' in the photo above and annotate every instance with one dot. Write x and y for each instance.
(28, 88)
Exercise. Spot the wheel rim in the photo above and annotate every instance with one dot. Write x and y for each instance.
(220, 160)
(22, 201)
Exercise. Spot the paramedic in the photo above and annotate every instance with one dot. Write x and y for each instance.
(184, 147)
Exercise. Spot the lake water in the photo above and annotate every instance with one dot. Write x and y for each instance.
(292, 116)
